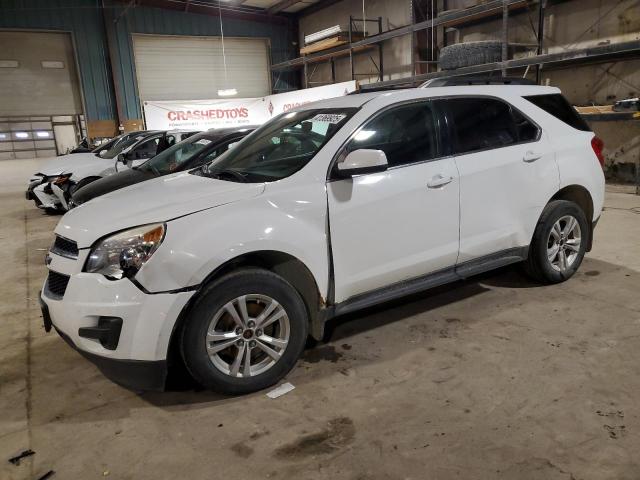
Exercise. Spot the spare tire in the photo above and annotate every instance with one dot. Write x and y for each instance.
(470, 53)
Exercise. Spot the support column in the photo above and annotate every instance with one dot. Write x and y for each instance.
(505, 34)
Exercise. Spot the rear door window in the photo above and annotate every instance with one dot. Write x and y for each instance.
(527, 130)
(558, 106)
(487, 123)
(406, 134)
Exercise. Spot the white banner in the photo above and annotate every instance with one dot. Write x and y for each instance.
(223, 113)
(204, 114)
(283, 102)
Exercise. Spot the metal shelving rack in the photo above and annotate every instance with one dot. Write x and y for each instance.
(350, 49)
(478, 13)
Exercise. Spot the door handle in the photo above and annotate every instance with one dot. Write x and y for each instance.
(531, 156)
(439, 181)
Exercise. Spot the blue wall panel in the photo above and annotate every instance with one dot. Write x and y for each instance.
(84, 19)
(157, 21)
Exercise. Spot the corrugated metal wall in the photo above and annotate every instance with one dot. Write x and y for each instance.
(83, 18)
(167, 22)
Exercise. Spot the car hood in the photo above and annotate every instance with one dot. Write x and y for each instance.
(64, 163)
(158, 200)
(111, 183)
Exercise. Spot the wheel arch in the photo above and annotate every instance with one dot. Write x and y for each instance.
(581, 197)
(287, 266)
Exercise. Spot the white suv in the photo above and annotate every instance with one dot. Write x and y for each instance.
(331, 208)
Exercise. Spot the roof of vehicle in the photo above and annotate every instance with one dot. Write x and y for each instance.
(145, 133)
(218, 134)
(231, 130)
(159, 132)
(359, 99)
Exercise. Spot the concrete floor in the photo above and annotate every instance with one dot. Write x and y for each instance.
(490, 378)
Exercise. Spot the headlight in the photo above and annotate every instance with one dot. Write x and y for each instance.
(124, 253)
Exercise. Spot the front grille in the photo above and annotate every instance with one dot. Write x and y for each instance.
(65, 247)
(56, 285)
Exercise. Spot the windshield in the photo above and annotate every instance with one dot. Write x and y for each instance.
(119, 146)
(279, 148)
(173, 157)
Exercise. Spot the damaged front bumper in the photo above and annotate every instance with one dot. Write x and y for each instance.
(137, 375)
(124, 331)
(41, 191)
(142, 375)
(49, 194)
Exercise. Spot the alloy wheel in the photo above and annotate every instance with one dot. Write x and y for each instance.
(248, 335)
(563, 244)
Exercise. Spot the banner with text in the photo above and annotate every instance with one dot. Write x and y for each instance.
(224, 113)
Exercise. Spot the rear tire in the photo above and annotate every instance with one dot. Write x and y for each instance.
(231, 343)
(559, 242)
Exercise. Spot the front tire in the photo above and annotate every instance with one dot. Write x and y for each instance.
(54, 210)
(559, 242)
(245, 332)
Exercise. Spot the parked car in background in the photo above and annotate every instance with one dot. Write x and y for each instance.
(44, 197)
(327, 209)
(51, 188)
(83, 147)
(190, 153)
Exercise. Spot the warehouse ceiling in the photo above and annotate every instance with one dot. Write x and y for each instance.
(276, 6)
(237, 7)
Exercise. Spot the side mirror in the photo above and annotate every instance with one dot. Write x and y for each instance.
(360, 162)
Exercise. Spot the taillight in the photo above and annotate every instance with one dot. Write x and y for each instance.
(598, 145)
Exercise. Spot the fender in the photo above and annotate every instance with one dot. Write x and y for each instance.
(274, 221)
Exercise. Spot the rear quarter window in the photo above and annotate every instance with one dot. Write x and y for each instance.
(558, 106)
(482, 123)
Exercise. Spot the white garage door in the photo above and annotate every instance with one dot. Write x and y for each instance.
(192, 68)
(40, 98)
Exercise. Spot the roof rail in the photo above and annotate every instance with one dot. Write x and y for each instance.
(367, 89)
(459, 81)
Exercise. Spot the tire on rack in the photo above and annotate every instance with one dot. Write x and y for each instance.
(559, 242)
(250, 311)
(470, 53)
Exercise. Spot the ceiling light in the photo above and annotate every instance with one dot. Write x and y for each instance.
(227, 92)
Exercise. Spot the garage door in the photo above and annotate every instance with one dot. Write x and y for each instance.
(192, 68)
(40, 102)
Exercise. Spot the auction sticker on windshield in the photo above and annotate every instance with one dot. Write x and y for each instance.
(329, 117)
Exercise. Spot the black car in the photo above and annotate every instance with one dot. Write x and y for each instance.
(190, 153)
